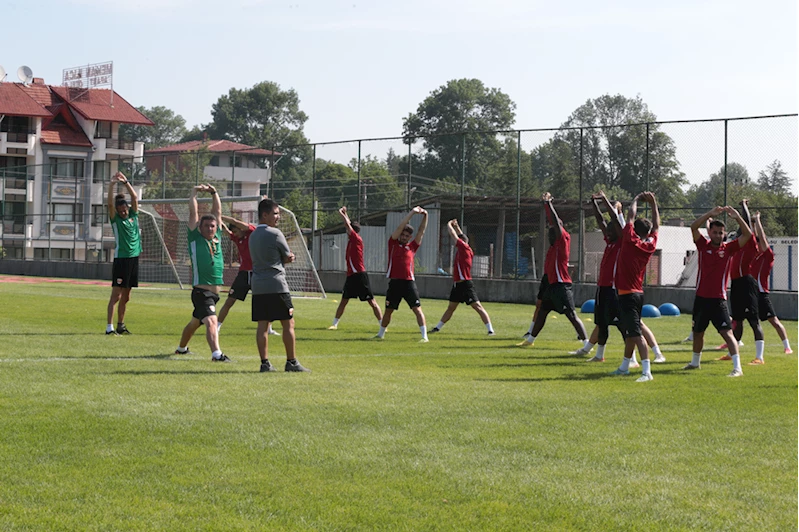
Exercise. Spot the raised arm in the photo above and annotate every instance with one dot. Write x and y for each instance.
(232, 222)
(112, 209)
(702, 220)
(600, 220)
(746, 232)
(193, 218)
(632, 212)
(216, 209)
(552, 216)
(422, 227)
(760, 232)
(346, 219)
(398, 231)
(649, 197)
(453, 233)
(744, 203)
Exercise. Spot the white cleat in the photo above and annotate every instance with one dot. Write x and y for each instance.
(659, 359)
(736, 373)
(645, 377)
(274, 333)
(332, 328)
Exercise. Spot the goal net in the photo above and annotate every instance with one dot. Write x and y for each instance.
(165, 259)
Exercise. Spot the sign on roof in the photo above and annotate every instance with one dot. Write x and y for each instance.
(89, 76)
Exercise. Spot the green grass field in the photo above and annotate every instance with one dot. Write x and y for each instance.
(463, 433)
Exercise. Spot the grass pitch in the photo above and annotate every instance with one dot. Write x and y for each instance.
(463, 433)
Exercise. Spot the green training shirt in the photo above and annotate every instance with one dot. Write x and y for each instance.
(207, 265)
(126, 235)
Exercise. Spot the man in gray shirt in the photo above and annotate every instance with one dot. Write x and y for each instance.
(271, 300)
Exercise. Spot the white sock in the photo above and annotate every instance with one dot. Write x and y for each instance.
(736, 362)
(530, 330)
(786, 344)
(625, 364)
(489, 327)
(691, 336)
(440, 325)
(381, 332)
(760, 346)
(645, 367)
(268, 328)
(633, 360)
(531, 339)
(656, 350)
(695, 358)
(216, 354)
(218, 326)
(110, 328)
(600, 351)
(423, 329)
(335, 322)
(588, 346)
(183, 349)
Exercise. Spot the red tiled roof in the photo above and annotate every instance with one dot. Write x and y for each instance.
(214, 146)
(95, 104)
(64, 135)
(15, 102)
(40, 93)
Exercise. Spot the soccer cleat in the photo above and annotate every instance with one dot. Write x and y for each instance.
(423, 341)
(274, 333)
(645, 377)
(123, 330)
(492, 333)
(332, 328)
(757, 362)
(580, 352)
(635, 365)
(525, 343)
(619, 371)
(222, 358)
(725, 357)
(267, 366)
(186, 352)
(295, 366)
(659, 359)
(108, 333)
(687, 339)
(788, 351)
(596, 358)
(690, 366)
(736, 373)
(434, 330)
(377, 337)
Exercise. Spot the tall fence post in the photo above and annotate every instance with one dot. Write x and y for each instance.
(726, 123)
(518, 200)
(580, 216)
(163, 176)
(358, 204)
(463, 176)
(408, 191)
(313, 194)
(233, 174)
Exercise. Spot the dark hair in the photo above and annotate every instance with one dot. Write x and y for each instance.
(266, 206)
(716, 223)
(356, 227)
(464, 238)
(119, 200)
(642, 226)
(408, 229)
(207, 217)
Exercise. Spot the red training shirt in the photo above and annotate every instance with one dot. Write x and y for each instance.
(243, 245)
(761, 268)
(740, 265)
(400, 259)
(633, 258)
(462, 269)
(556, 263)
(354, 255)
(711, 279)
(607, 268)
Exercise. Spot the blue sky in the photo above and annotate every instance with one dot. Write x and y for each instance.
(360, 67)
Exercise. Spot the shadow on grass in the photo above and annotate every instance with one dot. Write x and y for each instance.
(575, 377)
(179, 372)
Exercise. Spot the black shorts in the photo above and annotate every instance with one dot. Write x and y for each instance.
(765, 307)
(204, 303)
(743, 298)
(606, 307)
(357, 285)
(558, 297)
(463, 292)
(542, 288)
(630, 306)
(272, 307)
(241, 285)
(125, 273)
(708, 310)
(399, 289)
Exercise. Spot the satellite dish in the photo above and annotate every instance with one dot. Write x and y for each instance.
(25, 74)
(2, 74)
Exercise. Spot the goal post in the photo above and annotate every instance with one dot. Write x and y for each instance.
(165, 259)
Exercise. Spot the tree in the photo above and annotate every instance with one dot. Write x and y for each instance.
(461, 106)
(775, 179)
(710, 193)
(618, 156)
(169, 128)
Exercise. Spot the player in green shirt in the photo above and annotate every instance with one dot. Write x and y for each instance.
(207, 267)
(125, 223)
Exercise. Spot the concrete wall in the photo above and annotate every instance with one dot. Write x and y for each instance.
(438, 287)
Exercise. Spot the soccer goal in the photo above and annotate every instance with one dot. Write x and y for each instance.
(165, 260)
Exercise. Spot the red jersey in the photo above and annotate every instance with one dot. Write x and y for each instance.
(761, 268)
(607, 268)
(741, 262)
(243, 245)
(400, 259)
(354, 255)
(462, 269)
(556, 263)
(711, 279)
(633, 258)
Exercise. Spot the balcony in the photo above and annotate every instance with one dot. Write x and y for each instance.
(107, 149)
(17, 142)
(246, 175)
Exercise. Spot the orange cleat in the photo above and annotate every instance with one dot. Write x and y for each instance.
(757, 362)
(725, 357)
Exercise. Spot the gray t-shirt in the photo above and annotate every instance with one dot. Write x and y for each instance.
(268, 247)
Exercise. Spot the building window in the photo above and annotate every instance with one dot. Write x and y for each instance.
(17, 127)
(214, 161)
(234, 189)
(67, 168)
(103, 130)
(52, 254)
(66, 212)
(263, 189)
(102, 172)
(99, 214)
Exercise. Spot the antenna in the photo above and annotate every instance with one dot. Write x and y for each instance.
(2, 74)
(25, 74)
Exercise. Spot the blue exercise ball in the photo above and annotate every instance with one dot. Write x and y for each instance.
(669, 309)
(650, 311)
(588, 307)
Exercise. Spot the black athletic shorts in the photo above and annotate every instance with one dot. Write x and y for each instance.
(204, 303)
(708, 310)
(558, 297)
(125, 273)
(606, 307)
(399, 289)
(357, 285)
(542, 288)
(272, 307)
(241, 285)
(743, 298)
(765, 307)
(630, 306)
(463, 292)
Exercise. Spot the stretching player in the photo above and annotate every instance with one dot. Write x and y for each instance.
(127, 237)
(462, 288)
